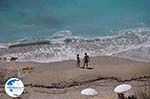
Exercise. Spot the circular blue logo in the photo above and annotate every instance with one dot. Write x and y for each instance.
(14, 87)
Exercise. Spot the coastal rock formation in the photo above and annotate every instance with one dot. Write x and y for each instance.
(8, 59)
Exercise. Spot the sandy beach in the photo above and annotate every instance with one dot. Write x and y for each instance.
(41, 42)
(63, 80)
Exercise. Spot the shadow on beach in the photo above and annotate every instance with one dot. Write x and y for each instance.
(86, 68)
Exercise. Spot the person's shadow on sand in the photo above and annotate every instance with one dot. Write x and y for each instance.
(86, 68)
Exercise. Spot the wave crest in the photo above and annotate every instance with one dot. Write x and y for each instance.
(63, 46)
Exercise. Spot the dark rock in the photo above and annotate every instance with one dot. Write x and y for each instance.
(13, 58)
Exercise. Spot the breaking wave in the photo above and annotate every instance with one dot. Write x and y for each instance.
(131, 43)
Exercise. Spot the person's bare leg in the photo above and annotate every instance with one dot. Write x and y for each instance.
(77, 65)
(84, 64)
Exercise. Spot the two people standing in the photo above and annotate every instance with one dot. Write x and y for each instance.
(86, 61)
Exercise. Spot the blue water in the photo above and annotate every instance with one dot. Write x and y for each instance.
(40, 19)
(56, 30)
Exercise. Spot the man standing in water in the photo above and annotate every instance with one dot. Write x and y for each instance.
(86, 61)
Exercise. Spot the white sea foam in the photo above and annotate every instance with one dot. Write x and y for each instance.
(3, 46)
(132, 43)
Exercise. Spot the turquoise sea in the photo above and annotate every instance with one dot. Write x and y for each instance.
(99, 27)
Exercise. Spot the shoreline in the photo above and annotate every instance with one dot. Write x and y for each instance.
(15, 59)
(132, 43)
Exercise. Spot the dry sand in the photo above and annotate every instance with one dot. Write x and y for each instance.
(62, 80)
